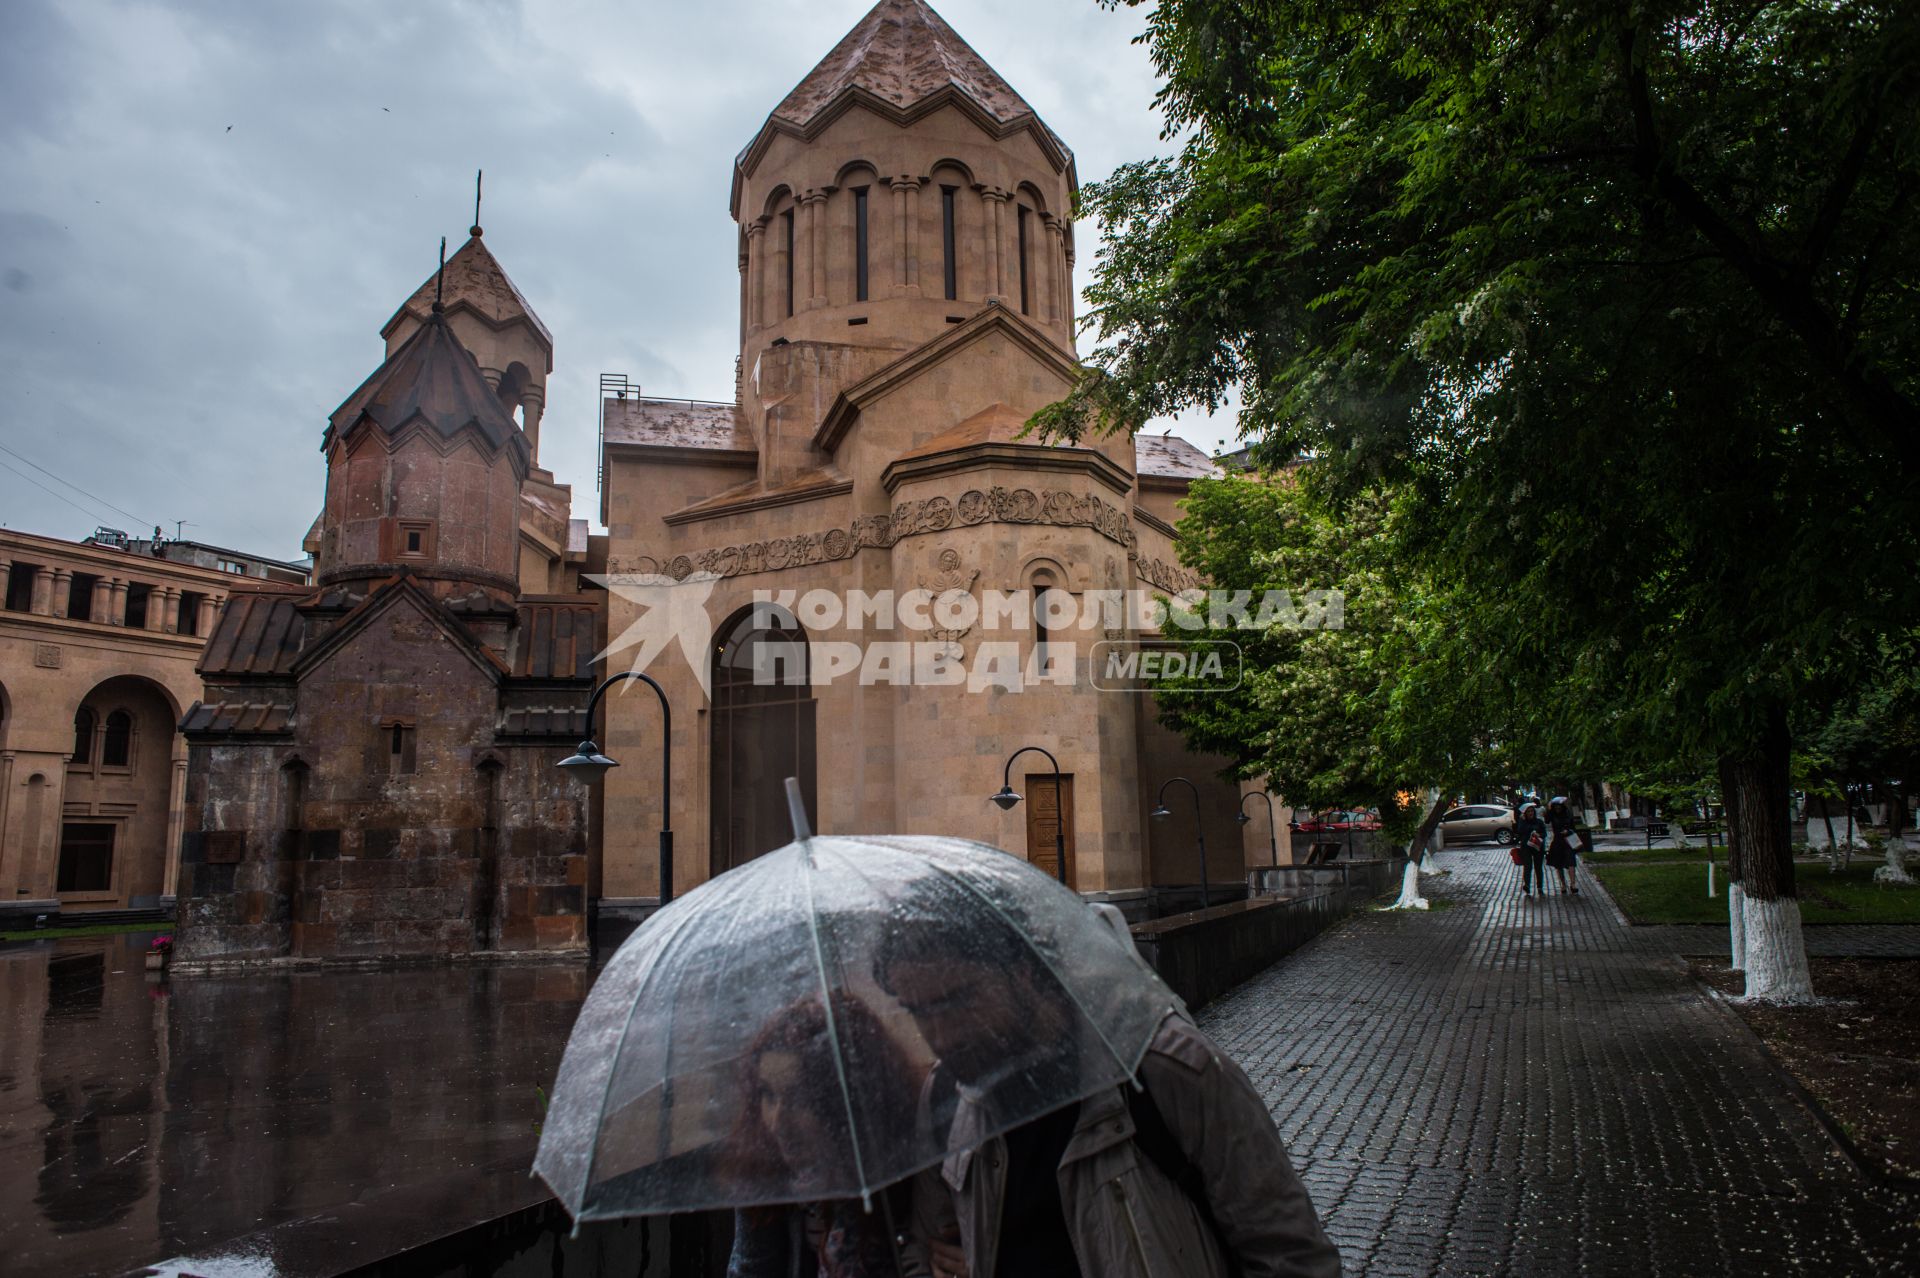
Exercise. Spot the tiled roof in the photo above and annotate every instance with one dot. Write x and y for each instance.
(237, 716)
(676, 423)
(432, 378)
(257, 634)
(475, 279)
(902, 52)
(556, 641)
(1170, 457)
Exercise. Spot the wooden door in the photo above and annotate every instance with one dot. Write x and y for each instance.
(1044, 820)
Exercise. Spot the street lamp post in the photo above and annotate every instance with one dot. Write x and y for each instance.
(589, 765)
(1161, 813)
(1007, 798)
(1273, 843)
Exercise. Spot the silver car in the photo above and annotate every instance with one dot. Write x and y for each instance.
(1476, 822)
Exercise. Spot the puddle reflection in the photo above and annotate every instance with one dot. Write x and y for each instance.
(141, 1119)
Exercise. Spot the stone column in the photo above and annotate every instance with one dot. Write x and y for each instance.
(117, 610)
(533, 402)
(906, 207)
(203, 620)
(1057, 281)
(170, 605)
(42, 602)
(815, 203)
(899, 187)
(6, 576)
(992, 203)
(156, 608)
(62, 590)
(100, 607)
(176, 816)
(493, 376)
(756, 275)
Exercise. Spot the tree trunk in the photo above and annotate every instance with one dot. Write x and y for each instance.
(1756, 783)
(1410, 898)
(1736, 890)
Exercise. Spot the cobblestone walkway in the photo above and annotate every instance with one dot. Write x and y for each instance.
(1528, 1086)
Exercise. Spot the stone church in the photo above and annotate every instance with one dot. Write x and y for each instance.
(370, 772)
(373, 771)
(906, 303)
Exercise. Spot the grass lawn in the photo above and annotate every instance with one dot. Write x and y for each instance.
(92, 929)
(1678, 894)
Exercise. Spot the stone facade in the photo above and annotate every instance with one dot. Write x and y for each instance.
(372, 773)
(97, 651)
(905, 262)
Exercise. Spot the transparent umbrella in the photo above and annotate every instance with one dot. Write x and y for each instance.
(832, 1017)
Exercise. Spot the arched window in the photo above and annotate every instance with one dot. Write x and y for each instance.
(83, 723)
(1043, 584)
(116, 748)
(763, 733)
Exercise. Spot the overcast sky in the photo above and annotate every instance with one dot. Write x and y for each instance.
(209, 207)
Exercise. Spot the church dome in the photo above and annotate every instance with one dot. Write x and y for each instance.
(902, 185)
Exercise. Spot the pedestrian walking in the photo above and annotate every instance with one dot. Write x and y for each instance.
(1530, 849)
(1183, 1176)
(1560, 845)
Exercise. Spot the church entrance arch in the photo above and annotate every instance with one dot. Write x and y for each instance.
(114, 823)
(763, 733)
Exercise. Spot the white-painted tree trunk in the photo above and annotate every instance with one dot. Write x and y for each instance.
(1894, 872)
(1776, 952)
(1737, 924)
(1410, 898)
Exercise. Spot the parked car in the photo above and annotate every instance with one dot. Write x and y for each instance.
(1337, 823)
(1474, 822)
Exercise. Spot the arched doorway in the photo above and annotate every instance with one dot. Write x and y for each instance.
(114, 823)
(763, 733)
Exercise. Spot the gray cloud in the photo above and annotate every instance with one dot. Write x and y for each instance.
(208, 209)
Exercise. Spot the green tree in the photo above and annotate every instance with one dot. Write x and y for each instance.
(1625, 297)
(1352, 703)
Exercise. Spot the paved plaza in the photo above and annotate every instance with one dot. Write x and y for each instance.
(1531, 1086)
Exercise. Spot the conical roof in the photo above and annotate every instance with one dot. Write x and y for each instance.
(434, 380)
(902, 52)
(475, 280)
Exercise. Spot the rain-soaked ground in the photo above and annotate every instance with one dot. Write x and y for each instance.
(142, 1119)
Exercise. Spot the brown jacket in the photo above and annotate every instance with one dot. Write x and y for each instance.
(1126, 1216)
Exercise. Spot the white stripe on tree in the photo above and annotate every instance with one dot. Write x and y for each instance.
(1776, 952)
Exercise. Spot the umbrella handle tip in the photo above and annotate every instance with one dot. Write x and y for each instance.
(797, 811)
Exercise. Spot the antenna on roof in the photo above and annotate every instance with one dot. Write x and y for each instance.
(474, 230)
(440, 278)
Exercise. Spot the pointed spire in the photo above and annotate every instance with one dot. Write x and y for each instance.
(902, 52)
(440, 278)
(474, 230)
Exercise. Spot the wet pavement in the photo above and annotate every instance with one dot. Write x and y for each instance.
(143, 1119)
(1529, 1086)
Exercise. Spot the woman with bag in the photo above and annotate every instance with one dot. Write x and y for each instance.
(1530, 849)
(1560, 853)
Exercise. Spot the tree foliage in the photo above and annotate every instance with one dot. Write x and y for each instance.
(1622, 301)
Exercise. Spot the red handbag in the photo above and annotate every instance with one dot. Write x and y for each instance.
(1515, 854)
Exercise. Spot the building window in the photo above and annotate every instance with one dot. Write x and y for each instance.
(187, 620)
(402, 747)
(83, 723)
(787, 230)
(946, 242)
(231, 565)
(1021, 222)
(762, 733)
(859, 243)
(138, 596)
(116, 746)
(414, 539)
(86, 857)
(20, 587)
(80, 596)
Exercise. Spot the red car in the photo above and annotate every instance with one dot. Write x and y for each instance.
(1338, 823)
